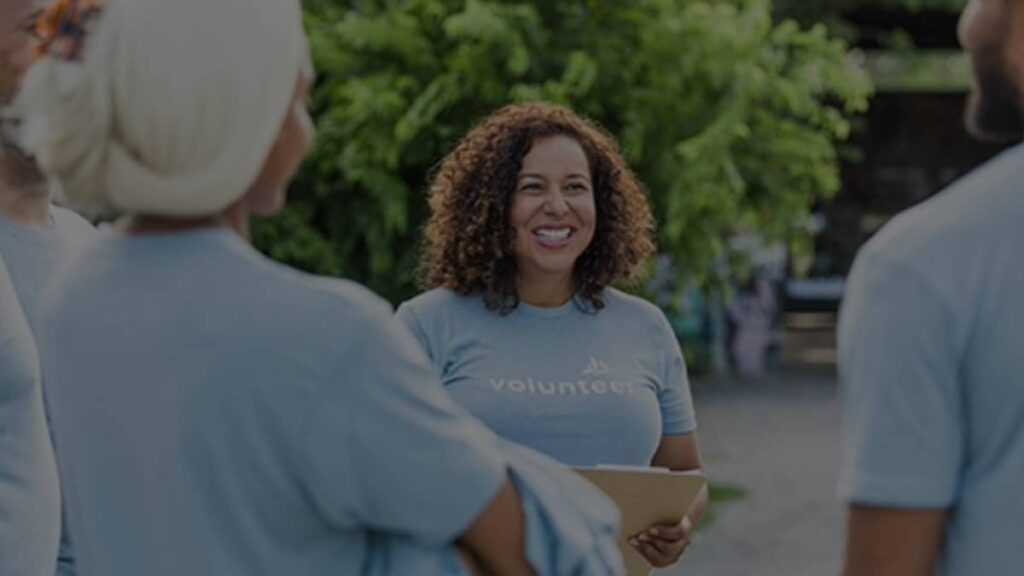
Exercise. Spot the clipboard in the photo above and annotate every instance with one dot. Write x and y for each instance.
(645, 497)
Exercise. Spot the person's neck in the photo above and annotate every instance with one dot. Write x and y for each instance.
(234, 218)
(27, 205)
(545, 292)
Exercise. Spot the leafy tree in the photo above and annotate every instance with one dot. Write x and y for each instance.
(730, 119)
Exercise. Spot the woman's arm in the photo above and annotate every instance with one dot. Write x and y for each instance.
(664, 545)
(682, 454)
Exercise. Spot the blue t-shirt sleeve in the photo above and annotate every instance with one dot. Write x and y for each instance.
(677, 413)
(898, 370)
(387, 449)
(407, 317)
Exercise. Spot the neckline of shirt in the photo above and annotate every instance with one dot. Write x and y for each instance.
(205, 235)
(573, 305)
(40, 235)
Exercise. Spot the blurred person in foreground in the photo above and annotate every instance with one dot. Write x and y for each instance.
(216, 413)
(29, 491)
(35, 238)
(932, 352)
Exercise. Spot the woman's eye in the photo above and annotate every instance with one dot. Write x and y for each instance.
(531, 188)
(578, 187)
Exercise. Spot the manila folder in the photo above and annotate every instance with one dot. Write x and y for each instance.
(646, 497)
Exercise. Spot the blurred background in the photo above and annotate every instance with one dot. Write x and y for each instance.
(773, 138)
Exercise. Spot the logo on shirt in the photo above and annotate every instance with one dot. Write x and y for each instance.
(564, 388)
(595, 380)
(596, 368)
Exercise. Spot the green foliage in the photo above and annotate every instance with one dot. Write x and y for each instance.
(729, 119)
(719, 495)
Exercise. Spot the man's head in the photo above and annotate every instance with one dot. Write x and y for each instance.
(15, 57)
(992, 32)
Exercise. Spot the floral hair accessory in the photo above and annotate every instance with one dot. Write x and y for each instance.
(60, 28)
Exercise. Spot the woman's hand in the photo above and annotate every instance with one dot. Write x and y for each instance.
(663, 545)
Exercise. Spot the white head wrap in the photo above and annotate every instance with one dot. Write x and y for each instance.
(173, 107)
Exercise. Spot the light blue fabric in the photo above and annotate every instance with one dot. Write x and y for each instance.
(583, 387)
(391, 555)
(29, 491)
(571, 528)
(932, 368)
(217, 413)
(33, 255)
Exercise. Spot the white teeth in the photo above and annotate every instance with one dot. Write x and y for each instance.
(552, 234)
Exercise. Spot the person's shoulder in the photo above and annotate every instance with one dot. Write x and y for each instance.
(618, 301)
(299, 297)
(338, 296)
(439, 302)
(336, 318)
(629, 308)
(983, 206)
(71, 223)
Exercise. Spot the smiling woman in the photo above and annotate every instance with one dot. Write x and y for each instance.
(535, 204)
(535, 215)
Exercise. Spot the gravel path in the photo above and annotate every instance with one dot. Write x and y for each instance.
(777, 439)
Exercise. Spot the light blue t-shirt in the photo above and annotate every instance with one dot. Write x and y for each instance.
(33, 255)
(932, 368)
(29, 490)
(583, 387)
(217, 413)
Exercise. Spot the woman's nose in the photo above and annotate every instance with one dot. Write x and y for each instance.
(555, 204)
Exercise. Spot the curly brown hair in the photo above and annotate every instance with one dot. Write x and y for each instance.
(469, 240)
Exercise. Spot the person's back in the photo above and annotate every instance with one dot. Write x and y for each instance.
(936, 406)
(257, 411)
(930, 342)
(29, 493)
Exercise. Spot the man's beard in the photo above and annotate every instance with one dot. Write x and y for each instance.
(994, 108)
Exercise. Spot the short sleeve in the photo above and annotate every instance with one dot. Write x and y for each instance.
(901, 400)
(677, 413)
(407, 317)
(388, 450)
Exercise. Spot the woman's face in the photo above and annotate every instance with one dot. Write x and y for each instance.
(553, 211)
(268, 193)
